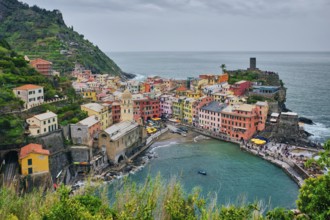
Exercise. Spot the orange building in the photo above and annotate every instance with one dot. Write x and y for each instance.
(181, 91)
(42, 66)
(242, 121)
(223, 78)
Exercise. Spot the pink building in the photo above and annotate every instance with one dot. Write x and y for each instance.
(210, 116)
(165, 105)
(240, 87)
(262, 111)
(197, 105)
(242, 121)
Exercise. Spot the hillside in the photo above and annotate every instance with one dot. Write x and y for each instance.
(14, 72)
(36, 32)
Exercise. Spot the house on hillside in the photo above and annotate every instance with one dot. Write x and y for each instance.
(42, 66)
(31, 95)
(33, 159)
(42, 123)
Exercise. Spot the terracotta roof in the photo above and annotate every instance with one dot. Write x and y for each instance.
(39, 61)
(181, 88)
(28, 87)
(32, 148)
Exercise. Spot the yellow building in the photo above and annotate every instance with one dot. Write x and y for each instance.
(33, 159)
(188, 110)
(90, 95)
(177, 107)
(194, 95)
(102, 112)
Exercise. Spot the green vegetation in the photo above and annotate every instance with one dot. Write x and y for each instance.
(39, 33)
(252, 99)
(68, 114)
(154, 200)
(239, 75)
(314, 197)
(14, 72)
(11, 130)
(323, 160)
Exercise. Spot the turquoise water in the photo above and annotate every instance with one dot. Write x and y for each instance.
(231, 173)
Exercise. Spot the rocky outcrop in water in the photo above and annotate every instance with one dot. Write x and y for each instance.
(306, 121)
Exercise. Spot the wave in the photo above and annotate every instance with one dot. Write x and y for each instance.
(320, 132)
(139, 77)
(201, 137)
(152, 150)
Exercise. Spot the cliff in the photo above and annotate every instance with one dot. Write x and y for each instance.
(36, 32)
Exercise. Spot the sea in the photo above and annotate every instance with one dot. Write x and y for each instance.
(231, 173)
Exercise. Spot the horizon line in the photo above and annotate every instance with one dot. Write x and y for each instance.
(222, 51)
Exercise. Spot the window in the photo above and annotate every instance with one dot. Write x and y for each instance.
(30, 171)
(18, 92)
(39, 91)
(29, 162)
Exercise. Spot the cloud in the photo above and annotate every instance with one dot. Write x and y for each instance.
(232, 7)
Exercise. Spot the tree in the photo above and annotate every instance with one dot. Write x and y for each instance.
(223, 67)
(314, 197)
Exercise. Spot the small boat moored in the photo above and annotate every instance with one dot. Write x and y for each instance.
(202, 172)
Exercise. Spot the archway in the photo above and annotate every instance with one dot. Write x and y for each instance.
(120, 158)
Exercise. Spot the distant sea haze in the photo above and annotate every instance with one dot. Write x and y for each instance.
(305, 75)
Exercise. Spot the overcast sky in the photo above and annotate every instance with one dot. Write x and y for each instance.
(198, 25)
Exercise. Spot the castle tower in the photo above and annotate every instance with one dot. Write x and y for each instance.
(253, 63)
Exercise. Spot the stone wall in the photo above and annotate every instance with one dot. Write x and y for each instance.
(79, 134)
(59, 157)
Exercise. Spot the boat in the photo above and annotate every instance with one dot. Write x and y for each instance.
(202, 172)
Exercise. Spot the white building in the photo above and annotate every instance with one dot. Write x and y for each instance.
(32, 95)
(42, 123)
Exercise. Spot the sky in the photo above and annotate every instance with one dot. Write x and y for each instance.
(198, 25)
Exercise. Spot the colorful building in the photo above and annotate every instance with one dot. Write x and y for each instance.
(181, 91)
(241, 87)
(33, 159)
(42, 66)
(188, 110)
(42, 123)
(242, 121)
(197, 105)
(165, 105)
(90, 95)
(223, 78)
(31, 95)
(262, 109)
(177, 107)
(116, 112)
(102, 112)
(145, 108)
(210, 116)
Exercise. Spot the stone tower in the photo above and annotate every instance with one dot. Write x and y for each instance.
(253, 63)
(126, 106)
